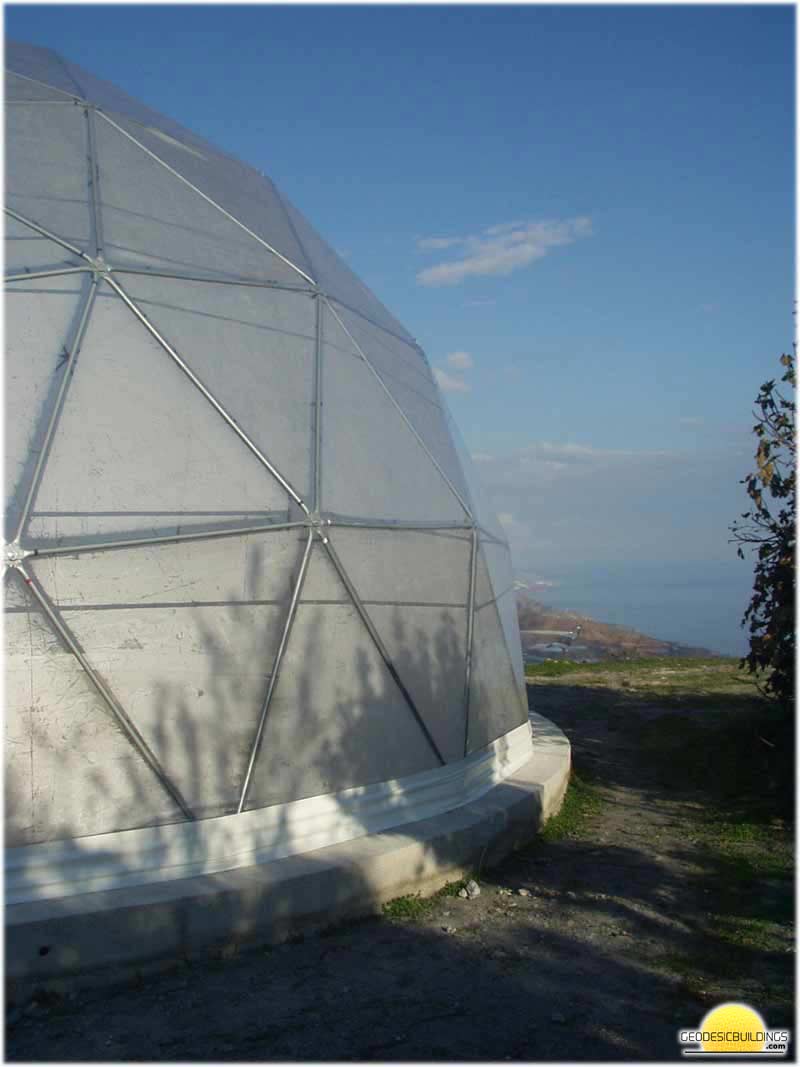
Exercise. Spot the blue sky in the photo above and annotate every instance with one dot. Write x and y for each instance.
(584, 214)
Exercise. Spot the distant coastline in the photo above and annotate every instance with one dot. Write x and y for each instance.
(550, 633)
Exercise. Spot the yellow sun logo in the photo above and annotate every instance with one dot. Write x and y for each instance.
(733, 1027)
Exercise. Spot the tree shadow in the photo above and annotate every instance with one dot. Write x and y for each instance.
(581, 975)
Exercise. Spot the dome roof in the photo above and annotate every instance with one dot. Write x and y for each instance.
(248, 561)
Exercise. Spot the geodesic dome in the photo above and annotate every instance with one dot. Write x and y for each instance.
(247, 561)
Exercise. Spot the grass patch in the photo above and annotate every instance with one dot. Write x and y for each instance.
(581, 802)
(747, 849)
(413, 907)
(758, 934)
(557, 668)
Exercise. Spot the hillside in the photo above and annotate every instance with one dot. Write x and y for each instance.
(548, 633)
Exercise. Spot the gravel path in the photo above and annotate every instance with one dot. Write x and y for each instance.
(581, 966)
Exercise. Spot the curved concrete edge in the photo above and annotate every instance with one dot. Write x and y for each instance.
(114, 935)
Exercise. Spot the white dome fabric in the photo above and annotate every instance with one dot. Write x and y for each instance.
(247, 561)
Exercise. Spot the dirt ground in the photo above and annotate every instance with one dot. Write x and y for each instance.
(617, 945)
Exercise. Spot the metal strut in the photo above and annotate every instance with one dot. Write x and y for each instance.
(118, 711)
(212, 279)
(318, 405)
(473, 566)
(94, 185)
(287, 628)
(165, 539)
(56, 272)
(376, 638)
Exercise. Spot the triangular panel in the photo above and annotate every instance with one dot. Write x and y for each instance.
(40, 63)
(498, 561)
(415, 588)
(151, 219)
(27, 251)
(70, 770)
(406, 373)
(337, 718)
(243, 192)
(41, 318)
(47, 168)
(337, 280)
(372, 464)
(139, 450)
(269, 387)
(496, 701)
(185, 636)
(481, 508)
(18, 88)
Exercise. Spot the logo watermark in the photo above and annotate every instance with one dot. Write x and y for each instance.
(734, 1029)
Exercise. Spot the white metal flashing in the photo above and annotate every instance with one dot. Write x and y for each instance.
(163, 853)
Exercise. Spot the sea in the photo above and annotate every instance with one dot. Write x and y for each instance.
(697, 603)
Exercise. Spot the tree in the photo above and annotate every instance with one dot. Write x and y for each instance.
(770, 528)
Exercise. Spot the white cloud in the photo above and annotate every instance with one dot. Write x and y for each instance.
(429, 244)
(449, 383)
(500, 249)
(460, 360)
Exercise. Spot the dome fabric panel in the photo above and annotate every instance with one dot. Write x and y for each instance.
(139, 450)
(273, 336)
(41, 65)
(47, 178)
(17, 88)
(241, 191)
(182, 634)
(337, 719)
(27, 251)
(248, 556)
(151, 219)
(373, 464)
(496, 703)
(69, 770)
(40, 322)
(421, 615)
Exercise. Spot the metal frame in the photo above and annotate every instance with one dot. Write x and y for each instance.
(216, 280)
(94, 185)
(318, 327)
(376, 638)
(208, 199)
(276, 666)
(330, 518)
(165, 539)
(54, 273)
(78, 548)
(473, 567)
(116, 708)
(316, 523)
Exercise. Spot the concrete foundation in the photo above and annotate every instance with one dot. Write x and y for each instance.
(112, 935)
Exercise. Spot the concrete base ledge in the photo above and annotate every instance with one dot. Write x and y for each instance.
(115, 934)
